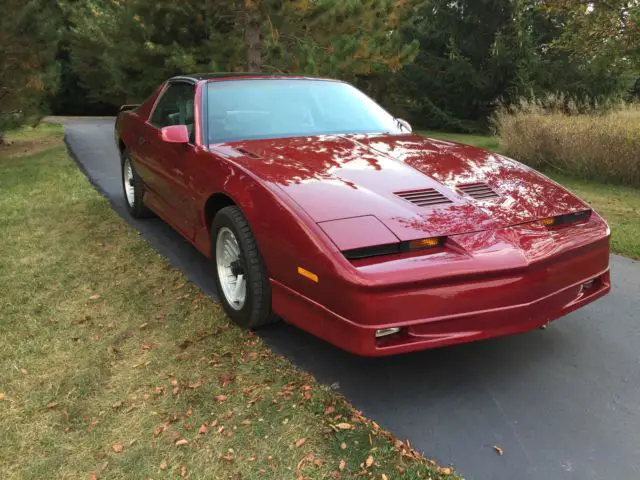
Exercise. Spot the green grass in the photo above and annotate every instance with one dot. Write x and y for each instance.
(113, 365)
(619, 205)
(481, 141)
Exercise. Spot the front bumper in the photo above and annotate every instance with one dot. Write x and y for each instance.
(454, 310)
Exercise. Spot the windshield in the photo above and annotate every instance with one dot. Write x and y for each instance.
(254, 109)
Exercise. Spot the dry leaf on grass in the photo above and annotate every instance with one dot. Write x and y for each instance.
(342, 465)
(24, 371)
(203, 430)
(1, 396)
(183, 471)
(163, 465)
(117, 404)
(52, 405)
(300, 442)
(369, 461)
(221, 398)
(94, 297)
(342, 426)
(117, 447)
(181, 442)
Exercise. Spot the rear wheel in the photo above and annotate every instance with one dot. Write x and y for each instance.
(240, 275)
(133, 189)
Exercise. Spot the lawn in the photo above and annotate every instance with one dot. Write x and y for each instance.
(619, 205)
(113, 365)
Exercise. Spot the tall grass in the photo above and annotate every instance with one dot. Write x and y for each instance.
(593, 142)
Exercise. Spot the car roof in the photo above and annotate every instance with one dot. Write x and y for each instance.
(199, 77)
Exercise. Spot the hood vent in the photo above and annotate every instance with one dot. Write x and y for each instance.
(424, 198)
(479, 191)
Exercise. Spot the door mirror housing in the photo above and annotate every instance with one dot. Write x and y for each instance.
(404, 125)
(175, 134)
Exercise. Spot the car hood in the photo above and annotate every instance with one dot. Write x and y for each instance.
(339, 177)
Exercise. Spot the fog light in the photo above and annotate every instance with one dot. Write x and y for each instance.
(385, 332)
(588, 285)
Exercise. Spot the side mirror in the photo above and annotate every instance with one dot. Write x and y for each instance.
(404, 125)
(175, 134)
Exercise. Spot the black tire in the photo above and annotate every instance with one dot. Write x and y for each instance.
(256, 311)
(137, 209)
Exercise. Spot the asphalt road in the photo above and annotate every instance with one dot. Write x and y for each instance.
(563, 403)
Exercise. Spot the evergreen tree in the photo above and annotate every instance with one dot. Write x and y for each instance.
(27, 70)
(122, 50)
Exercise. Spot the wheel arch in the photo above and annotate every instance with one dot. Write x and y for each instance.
(215, 203)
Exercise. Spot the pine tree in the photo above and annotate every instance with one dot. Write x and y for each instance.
(27, 70)
(122, 50)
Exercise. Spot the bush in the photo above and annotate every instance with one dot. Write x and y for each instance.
(588, 141)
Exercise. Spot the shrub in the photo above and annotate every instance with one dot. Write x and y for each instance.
(592, 141)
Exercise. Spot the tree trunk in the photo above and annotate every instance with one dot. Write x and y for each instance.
(252, 38)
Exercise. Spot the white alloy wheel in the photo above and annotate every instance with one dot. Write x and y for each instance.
(229, 263)
(129, 186)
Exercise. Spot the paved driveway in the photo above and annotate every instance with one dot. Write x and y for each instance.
(563, 403)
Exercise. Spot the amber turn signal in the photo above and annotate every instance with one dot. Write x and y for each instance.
(567, 219)
(425, 243)
(306, 273)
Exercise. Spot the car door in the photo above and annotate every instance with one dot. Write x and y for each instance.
(167, 161)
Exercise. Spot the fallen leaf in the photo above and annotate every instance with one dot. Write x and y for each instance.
(1, 396)
(183, 471)
(445, 470)
(144, 325)
(343, 426)
(117, 404)
(342, 465)
(300, 442)
(369, 461)
(94, 297)
(197, 384)
(343, 446)
(203, 429)
(93, 477)
(384, 477)
(189, 412)
(159, 429)
(24, 371)
(221, 398)
(498, 450)
(329, 410)
(163, 465)
(181, 442)
(245, 422)
(52, 405)
(117, 447)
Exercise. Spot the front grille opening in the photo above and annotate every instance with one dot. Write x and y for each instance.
(426, 197)
(478, 190)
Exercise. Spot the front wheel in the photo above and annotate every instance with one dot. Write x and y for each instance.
(133, 189)
(240, 275)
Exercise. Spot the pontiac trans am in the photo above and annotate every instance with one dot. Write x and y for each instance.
(317, 206)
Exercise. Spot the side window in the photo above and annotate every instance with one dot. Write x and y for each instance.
(175, 107)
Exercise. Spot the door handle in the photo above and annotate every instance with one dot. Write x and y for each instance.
(141, 141)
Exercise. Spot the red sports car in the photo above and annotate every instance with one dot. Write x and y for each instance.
(317, 205)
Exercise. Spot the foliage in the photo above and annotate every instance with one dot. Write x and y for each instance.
(122, 50)
(27, 71)
(600, 144)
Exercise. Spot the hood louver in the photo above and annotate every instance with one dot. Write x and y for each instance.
(424, 198)
(479, 191)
